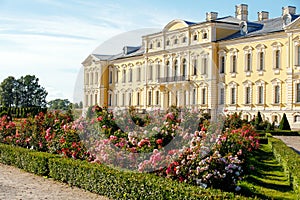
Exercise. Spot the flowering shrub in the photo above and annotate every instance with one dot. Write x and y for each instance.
(51, 132)
(180, 144)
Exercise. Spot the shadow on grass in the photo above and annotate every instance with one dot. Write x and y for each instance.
(268, 174)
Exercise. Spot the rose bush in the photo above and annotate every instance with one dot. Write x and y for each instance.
(180, 144)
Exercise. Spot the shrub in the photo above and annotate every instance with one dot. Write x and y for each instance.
(284, 123)
(100, 179)
(29, 160)
(290, 161)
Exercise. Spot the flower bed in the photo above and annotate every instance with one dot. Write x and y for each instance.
(181, 145)
(103, 180)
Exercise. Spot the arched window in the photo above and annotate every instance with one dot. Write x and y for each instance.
(184, 67)
(175, 68)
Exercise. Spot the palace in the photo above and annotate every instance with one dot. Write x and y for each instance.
(221, 65)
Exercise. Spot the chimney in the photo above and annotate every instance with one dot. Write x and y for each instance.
(211, 16)
(262, 15)
(241, 12)
(288, 10)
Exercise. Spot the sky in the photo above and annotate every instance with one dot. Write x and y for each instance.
(51, 38)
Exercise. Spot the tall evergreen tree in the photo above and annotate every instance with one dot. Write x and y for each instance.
(284, 123)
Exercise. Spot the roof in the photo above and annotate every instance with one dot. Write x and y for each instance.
(261, 28)
(128, 51)
(255, 28)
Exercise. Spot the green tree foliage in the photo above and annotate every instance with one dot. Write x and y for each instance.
(59, 104)
(23, 92)
(258, 122)
(8, 91)
(284, 123)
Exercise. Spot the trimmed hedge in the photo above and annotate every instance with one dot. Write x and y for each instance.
(290, 161)
(29, 160)
(285, 133)
(103, 180)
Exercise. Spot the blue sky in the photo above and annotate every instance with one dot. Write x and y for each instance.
(50, 38)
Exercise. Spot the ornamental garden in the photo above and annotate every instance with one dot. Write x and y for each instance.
(177, 154)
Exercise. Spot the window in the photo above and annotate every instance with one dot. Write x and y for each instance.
(248, 95)
(86, 78)
(298, 55)
(91, 78)
(175, 68)
(297, 118)
(150, 46)
(275, 118)
(204, 65)
(222, 95)
(158, 71)
(116, 99)
(158, 44)
(109, 99)
(233, 64)
(248, 62)
(117, 76)
(124, 76)
(96, 99)
(129, 99)
(123, 99)
(233, 96)
(185, 96)
(260, 94)
(195, 67)
(184, 67)
(222, 64)
(150, 72)
(149, 98)
(168, 43)
(138, 78)
(167, 68)
(195, 37)
(110, 76)
(194, 96)
(203, 96)
(130, 75)
(176, 41)
(277, 94)
(169, 98)
(277, 59)
(184, 39)
(96, 77)
(138, 98)
(261, 59)
(204, 35)
(298, 93)
(177, 99)
(157, 97)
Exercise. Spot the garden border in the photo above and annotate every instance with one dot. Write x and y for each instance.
(103, 180)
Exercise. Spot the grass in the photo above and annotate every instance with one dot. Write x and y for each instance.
(267, 180)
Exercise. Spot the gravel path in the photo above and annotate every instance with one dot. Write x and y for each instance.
(20, 185)
(291, 141)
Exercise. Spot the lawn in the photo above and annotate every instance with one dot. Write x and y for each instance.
(267, 180)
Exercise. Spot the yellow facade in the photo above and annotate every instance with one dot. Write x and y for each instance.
(221, 65)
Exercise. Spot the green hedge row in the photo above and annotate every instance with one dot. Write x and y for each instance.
(284, 133)
(103, 180)
(17, 112)
(30, 161)
(290, 161)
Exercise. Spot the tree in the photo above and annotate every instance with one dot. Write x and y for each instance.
(8, 91)
(24, 92)
(258, 122)
(59, 104)
(284, 123)
(30, 92)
